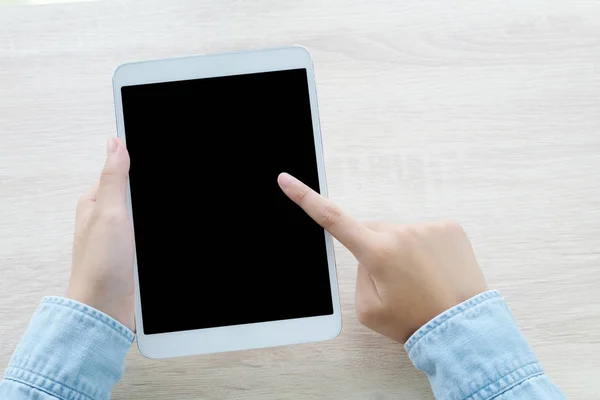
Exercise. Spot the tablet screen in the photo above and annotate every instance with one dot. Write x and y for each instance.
(217, 241)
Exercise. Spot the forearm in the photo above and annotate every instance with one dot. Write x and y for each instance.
(476, 351)
(69, 351)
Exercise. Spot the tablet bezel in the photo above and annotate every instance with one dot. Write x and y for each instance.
(248, 336)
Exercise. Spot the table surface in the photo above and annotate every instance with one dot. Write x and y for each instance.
(486, 112)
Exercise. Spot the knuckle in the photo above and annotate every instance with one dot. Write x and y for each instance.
(330, 216)
(413, 235)
(301, 194)
(370, 224)
(377, 225)
(448, 226)
(110, 174)
(452, 225)
(106, 176)
(366, 313)
(111, 215)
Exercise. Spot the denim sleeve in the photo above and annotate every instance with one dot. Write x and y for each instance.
(475, 351)
(70, 352)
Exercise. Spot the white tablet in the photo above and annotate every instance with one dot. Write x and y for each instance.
(224, 260)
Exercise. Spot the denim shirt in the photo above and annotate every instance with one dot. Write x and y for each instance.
(472, 351)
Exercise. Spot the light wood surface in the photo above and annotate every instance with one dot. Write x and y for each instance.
(484, 111)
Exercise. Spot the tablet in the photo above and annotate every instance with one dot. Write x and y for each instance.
(224, 260)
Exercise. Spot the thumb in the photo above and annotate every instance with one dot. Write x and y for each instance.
(112, 189)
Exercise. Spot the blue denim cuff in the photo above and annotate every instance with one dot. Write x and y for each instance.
(474, 350)
(70, 351)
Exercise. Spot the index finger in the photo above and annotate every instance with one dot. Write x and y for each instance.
(343, 227)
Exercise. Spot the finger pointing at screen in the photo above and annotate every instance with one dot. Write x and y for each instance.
(351, 233)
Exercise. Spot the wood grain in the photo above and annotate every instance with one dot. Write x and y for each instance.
(486, 112)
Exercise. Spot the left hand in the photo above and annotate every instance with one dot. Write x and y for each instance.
(102, 270)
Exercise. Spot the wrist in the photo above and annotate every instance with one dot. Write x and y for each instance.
(70, 350)
(449, 349)
(120, 310)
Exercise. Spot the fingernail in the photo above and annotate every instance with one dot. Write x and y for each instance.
(285, 180)
(111, 147)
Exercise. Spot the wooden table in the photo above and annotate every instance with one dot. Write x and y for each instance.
(486, 112)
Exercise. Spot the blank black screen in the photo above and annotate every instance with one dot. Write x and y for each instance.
(217, 241)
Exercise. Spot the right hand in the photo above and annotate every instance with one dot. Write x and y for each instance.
(407, 274)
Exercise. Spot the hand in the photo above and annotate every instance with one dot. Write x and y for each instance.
(407, 274)
(102, 270)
